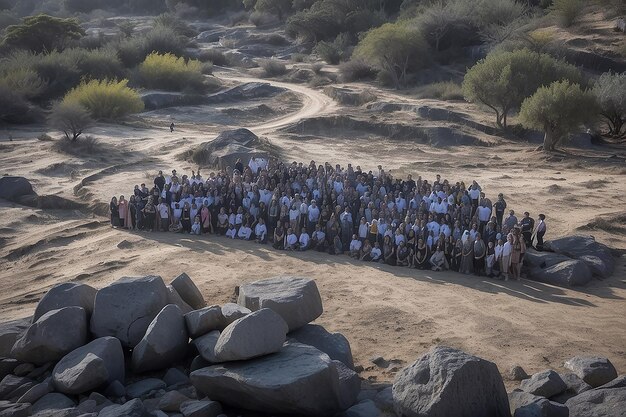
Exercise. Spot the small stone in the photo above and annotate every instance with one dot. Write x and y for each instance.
(232, 312)
(188, 291)
(16, 410)
(201, 409)
(544, 384)
(379, 361)
(10, 383)
(171, 401)
(595, 371)
(115, 389)
(23, 369)
(36, 392)
(52, 401)
(144, 387)
(173, 376)
(517, 373)
(87, 406)
(133, 408)
(365, 408)
(200, 322)
(206, 346)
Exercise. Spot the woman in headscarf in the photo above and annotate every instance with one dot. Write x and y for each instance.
(115, 212)
(421, 255)
(467, 257)
(457, 254)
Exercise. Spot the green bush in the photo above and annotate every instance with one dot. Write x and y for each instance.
(24, 81)
(171, 21)
(132, 51)
(356, 70)
(567, 11)
(215, 56)
(610, 92)
(273, 67)
(169, 72)
(106, 99)
(14, 107)
(444, 90)
(335, 51)
(503, 80)
(396, 49)
(558, 109)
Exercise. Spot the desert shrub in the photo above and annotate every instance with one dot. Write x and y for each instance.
(42, 33)
(395, 48)
(206, 68)
(335, 51)
(162, 39)
(14, 107)
(298, 57)
(70, 118)
(59, 70)
(279, 8)
(86, 146)
(567, 11)
(558, 109)
(215, 56)
(356, 70)
(503, 80)
(319, 81)
(322, 21)
(260, 19)
(171, 21)
(317, 67)
(169, 72)
(273, 67)
(96, 64)
(106, 99)
(444, 90)
(610, 93)
(358, 21)
(24, 81)
(44, 137)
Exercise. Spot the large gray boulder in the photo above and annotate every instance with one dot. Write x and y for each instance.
(257, 334)
(232, 312)
(537, 259)
(334, 345)
(37, 391)
(10, 332)
(544, 384)
(594, 370)
(126, 308)
(609, 400)
(65, 295)
(174, 298)
(571, 273)
(524, 404)
(188, 291)
(98, 363)
(54, 335)
(52, 401)
(271, 384)
(296, 299)
(165, 342)
(448, 382)
(12, 188)
(575, 386)
(205, 345)
(597, 256)
(203, 321)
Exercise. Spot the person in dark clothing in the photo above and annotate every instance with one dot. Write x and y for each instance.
(541, 231)
(185, 218)
(239, 165)
(172, 127)
(500, 208)
(115, 212)
(159, 181)
(527, 224)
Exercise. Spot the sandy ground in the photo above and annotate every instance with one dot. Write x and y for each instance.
(393, 312)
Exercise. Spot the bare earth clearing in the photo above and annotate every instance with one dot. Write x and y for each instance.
(393, 312)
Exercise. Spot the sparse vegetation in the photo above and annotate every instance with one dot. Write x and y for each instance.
(567, 11)
(558, 109)
(106, 99)
(444, 90)
(169, 72)
(42, 33)
(273, 67)
(70, 118)
(356, 69)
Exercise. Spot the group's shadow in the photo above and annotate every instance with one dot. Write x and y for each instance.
(525, 289)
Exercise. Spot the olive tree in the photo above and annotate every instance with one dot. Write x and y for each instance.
(502, 80)
(610, 91)
(42, 33)
(559, 110)
(394, 48)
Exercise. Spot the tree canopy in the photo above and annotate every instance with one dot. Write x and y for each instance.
(395, 48)
(42, 33)
(558, 109)
(503, 80)
(70, 118)
(610, 91)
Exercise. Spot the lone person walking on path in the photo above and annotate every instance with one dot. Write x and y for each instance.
(172, 127)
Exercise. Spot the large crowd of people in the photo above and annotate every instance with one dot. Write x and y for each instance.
(370, 216)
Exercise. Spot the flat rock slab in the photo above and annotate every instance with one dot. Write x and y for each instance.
(595, 371)
(232, 312)
(570, 273)
(448, 382)
(257, 334)
(144, 387)
(201, 409)
(270, 384)
(66, 294)
(126, 308)
(544, 384)
(334, 345)
(54, 335)
(133, 408)
(188, 291)
(88, 367)
(164, 343)
(52, 401)
(296, 299)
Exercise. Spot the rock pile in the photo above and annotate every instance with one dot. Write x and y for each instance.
(570, 261)
(139, 347)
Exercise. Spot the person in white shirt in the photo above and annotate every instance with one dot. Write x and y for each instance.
(164, 214)
(313, 214)
(355, 247)
(363, 230)
(304, 240)
(177, 212)
(291, 240)
(319, 239)
(484, 215)
(196, 227)
(260, 231)
(244, 232)
(294, 215)
(399, 237)
(505, 260)
(376, 253)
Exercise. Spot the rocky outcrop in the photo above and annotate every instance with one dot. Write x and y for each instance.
(595, 371)
(12, 188)
(66, 294)
(334, 345)
(597, 256)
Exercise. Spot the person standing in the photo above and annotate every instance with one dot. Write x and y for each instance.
(528, 225)
(480, 252)
(505, 259)
(122, 206)
(115, 212)
(541, 231)
(499, 208)
(172, 127)
(467, 259)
